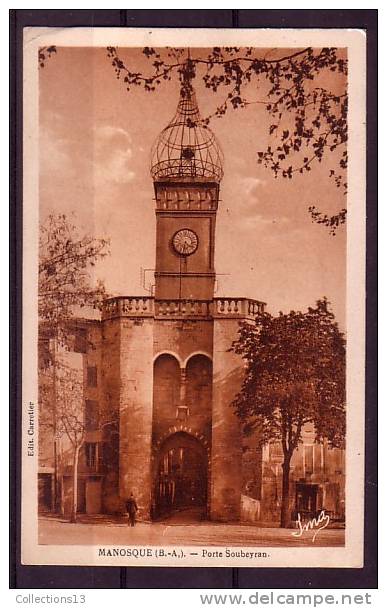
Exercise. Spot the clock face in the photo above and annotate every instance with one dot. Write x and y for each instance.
(185, 241)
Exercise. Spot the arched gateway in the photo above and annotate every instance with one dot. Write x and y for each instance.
(180, 475)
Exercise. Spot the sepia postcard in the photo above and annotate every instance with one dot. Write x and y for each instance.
(193, 297)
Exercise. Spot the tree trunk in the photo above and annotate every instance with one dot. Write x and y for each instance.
(62, 498)
(57, 501)
(57, 497)
(74, 507)
(285, 511)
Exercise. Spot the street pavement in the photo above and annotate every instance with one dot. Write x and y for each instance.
(179, 530)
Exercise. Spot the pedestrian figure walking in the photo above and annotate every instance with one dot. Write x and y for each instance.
(132, 508)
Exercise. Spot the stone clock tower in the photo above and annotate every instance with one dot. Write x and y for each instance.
(186, 169)
(168, 364)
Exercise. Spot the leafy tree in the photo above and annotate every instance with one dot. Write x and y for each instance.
(44, 53)
(66, 259)
(65, 262)
(63, 414)
(295, 374)
(303, 90)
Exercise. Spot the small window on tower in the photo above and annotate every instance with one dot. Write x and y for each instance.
(182, 412)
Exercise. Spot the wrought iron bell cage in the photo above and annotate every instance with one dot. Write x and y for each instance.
(187, 148)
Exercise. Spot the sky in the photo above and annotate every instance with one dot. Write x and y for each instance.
(95, 143)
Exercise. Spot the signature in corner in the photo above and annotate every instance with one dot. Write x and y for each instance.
(312, 524)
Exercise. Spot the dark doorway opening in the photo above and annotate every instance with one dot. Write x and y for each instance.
(181, 478)
(306, 499)
(45, 492)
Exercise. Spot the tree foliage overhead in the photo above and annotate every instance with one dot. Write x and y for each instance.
(65, 261)
(304, 93)
(295, 374)
(44, 53)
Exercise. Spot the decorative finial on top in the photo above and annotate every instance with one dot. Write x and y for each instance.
(187, 74)
(187, 148)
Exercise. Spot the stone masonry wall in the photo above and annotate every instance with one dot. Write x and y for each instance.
(182, 338)
(127, 368)
(136, 363)
(226, 473)
(110, 363)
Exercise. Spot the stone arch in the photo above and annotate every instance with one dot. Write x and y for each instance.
(183, 428)
(169, 352)
(194, 354)
(166, 386)
(198, 375)
(181, 474)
